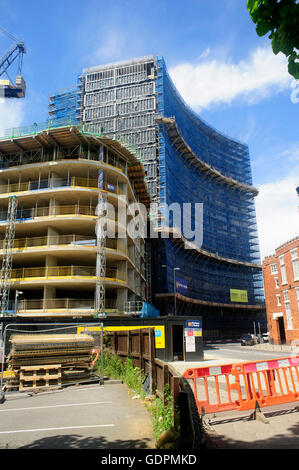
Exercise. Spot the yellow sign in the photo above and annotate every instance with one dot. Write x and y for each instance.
(159, 331)
(8, 374)
(238, 295)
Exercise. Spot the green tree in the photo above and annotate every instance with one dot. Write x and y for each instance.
(281, 19)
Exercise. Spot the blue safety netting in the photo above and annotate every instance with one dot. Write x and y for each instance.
(149, 311)
(229, 220)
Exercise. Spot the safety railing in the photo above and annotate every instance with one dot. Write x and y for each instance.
(64, 272)
(54, 211)
(72, 240)
(55, 183)
(37, 242)
(51, 157)
(242, 386)
(67, 304)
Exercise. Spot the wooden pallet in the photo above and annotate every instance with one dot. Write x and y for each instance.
(33, 377)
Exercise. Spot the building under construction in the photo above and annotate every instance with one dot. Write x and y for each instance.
(136, 104)
(61, 193)
(185, 161)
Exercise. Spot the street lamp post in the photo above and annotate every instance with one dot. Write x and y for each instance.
(18, 292)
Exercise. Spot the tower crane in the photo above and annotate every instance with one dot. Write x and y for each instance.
(9, 89)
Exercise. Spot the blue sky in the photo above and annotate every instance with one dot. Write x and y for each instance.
(224, 71)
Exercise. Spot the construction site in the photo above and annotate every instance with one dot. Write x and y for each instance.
(57, 256)
(76, 284)
(156, 151)
(185, 161)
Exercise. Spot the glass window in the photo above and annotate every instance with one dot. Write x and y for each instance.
(295, 263)
(283, 270)
(274, 268)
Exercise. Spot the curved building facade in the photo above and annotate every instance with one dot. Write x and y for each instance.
(186, 161)
(199, 165)
(50, 240)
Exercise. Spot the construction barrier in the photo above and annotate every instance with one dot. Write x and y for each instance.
(207, 382)
(242, 386)
(268, 383)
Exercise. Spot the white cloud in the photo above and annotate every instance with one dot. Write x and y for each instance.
(216, 81)
(277, 208)
(111, 45)
(11, 114)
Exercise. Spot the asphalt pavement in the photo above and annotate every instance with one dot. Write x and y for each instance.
(82, 417)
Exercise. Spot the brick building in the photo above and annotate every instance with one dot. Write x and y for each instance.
(281, 283)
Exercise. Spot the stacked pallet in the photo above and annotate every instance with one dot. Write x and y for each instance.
(50, 360)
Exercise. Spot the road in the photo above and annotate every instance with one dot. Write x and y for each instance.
(83, 417)
(228, 353)
(239, 353)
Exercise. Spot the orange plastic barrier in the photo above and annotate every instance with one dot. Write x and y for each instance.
(241, 386)
(206, 381)
(268, 383)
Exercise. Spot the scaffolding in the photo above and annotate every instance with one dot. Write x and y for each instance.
(101, 232)
(64, 104)
(125, 101)
(119, 100)
(8, 245)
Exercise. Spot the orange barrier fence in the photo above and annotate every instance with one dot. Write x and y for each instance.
(269, 383)
(206, 383)
(241, 386)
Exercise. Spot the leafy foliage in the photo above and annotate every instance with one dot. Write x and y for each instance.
(162, 413)
(280, 18)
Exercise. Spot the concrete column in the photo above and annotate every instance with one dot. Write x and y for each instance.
(53, 236)
(122, 297)
(49, 291)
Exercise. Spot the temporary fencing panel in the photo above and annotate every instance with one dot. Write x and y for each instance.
(241, 386)
(212, 388)
(269, 383)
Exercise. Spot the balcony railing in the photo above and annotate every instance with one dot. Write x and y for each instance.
(22, 243)
(33, 212)
(66, 240)
(67, 304)
(73, 156)
(55, 183)
(64, 272)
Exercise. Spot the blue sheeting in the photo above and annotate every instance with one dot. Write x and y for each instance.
(148, 311)
(229, 220)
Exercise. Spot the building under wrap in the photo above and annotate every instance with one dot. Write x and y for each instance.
(185, 161)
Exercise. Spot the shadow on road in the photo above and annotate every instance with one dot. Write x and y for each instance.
(75, 441)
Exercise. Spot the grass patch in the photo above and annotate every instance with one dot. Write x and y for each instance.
(131, 376)
(162, 413)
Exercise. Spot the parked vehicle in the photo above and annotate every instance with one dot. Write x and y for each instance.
(247, 340)
(266, 337)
